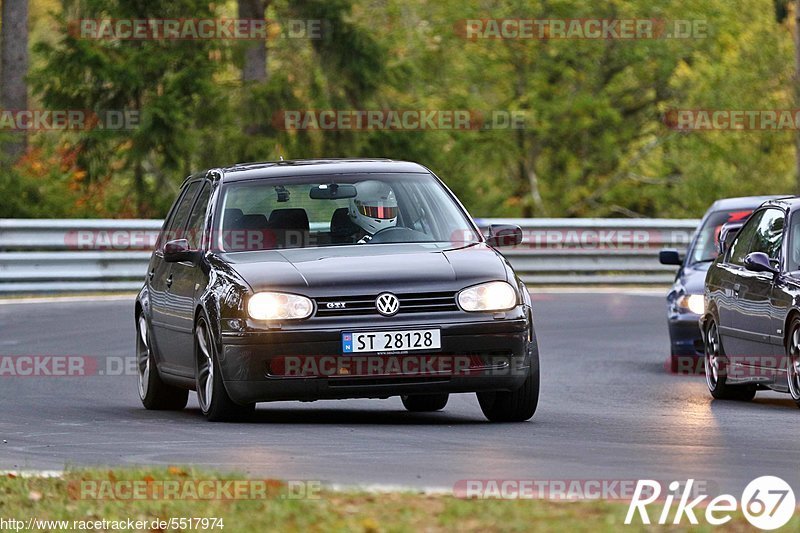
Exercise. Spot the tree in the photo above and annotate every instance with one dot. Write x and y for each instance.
(14, 68)
(254, 68)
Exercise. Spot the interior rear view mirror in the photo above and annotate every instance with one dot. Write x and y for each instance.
(333, 191)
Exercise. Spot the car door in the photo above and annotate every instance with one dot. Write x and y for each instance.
(754, 315)
(729, 286)
(183, 284)
(161, 304)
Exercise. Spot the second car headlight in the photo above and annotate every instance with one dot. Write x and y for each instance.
(693, 302)
(492, 296)
(279, 306)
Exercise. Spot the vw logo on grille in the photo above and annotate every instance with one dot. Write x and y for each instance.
(387, 304)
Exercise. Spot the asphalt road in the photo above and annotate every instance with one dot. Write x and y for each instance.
(608, 411)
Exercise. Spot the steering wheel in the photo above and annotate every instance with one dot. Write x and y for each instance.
(394, 234)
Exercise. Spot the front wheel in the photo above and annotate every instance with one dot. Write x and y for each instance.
(514, 406)
(154, 393)
(716, 367)
(793, 361)
(425, 403)
(214, 401)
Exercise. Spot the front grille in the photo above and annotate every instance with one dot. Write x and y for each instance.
(427, 302)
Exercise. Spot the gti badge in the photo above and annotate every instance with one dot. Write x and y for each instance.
(387, 304)
(335, 305)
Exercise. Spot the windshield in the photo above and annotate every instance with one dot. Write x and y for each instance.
(336, 210)
(706, 246)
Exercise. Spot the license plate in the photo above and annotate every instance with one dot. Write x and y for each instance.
(391, 341)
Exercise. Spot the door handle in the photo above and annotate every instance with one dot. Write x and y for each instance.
(151, 274)
(737, 289)
(169, 281)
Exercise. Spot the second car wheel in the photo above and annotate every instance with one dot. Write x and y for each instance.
(214, 401)
(423, 403)
(716, 367)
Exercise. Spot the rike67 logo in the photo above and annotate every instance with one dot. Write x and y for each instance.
(768, 502)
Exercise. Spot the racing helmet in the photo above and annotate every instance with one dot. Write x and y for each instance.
(374, 207)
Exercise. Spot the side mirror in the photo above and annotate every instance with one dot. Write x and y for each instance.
(177, 251)
(727, 233)
(670, 256)
(504, 235)
(759, 262)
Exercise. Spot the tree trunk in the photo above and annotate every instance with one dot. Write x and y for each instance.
(14, 68)
(255, 52)
(797, 91)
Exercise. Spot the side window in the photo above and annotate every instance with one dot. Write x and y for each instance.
(793, 261)
(741, 245)
(197, 219)
(768, 236)
(180, 214)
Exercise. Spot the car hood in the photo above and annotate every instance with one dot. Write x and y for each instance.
(693, 278)
(369, 268)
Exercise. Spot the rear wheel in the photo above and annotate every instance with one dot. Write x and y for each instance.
(423, 403)
(793, 361)
(518, 405)
(214, 401)
(716, 367)
(154, 393)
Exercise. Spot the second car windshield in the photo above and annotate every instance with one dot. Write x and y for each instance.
(335, 210)
(707, 244)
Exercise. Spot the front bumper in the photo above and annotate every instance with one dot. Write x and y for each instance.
(254, 364)
(685, 335)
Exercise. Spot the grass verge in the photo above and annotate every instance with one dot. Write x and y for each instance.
(88, 496)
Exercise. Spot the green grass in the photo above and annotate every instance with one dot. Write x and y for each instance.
(59, 499)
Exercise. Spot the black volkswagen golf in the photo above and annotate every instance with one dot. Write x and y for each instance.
(332, 279)
(751, 323)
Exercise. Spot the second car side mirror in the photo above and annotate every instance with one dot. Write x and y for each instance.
(670, 256)
(178, 250)
(504, 235)
(759, 262)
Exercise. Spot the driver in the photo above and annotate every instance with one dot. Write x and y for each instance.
(373, 209)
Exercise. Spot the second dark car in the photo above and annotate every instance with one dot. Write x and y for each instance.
(332, 279)
(685, 302)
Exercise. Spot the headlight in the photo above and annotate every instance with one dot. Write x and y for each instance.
(492, 296)
(693, 302)
(279, 306)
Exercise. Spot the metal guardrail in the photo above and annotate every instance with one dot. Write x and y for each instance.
(50, 256)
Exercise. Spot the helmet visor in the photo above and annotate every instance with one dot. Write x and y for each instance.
(379, 211)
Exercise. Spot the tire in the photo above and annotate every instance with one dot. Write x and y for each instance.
(515, 406)
(793, 360)
(153, 392)
(716, 369)
(212, 396)
(425, 403)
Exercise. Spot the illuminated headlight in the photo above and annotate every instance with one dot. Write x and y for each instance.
(279, 306)
(693, 302)
(492, 296)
